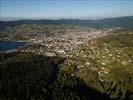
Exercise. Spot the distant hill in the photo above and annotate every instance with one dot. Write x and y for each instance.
(126, 22)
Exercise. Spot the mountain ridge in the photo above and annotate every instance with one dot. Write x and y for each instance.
(126, 22)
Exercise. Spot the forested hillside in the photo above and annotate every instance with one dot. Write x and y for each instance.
(30, 76)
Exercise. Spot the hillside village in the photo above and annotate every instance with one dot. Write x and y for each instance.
(61, 40)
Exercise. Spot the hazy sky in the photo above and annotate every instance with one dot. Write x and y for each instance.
(65, 8)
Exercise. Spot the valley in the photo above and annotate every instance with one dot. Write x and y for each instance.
(63, 62)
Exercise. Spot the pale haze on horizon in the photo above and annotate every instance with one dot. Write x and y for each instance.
(57, 9)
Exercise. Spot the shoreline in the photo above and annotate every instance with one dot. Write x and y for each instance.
(11, 45)
(15, 40)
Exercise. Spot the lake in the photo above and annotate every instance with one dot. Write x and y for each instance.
(10, 45)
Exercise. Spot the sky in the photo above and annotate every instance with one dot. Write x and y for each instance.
(57, 9)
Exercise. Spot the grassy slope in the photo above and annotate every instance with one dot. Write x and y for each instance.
(110, 68)
(116, 52)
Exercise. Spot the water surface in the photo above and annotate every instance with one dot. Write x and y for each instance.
(10, 45)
